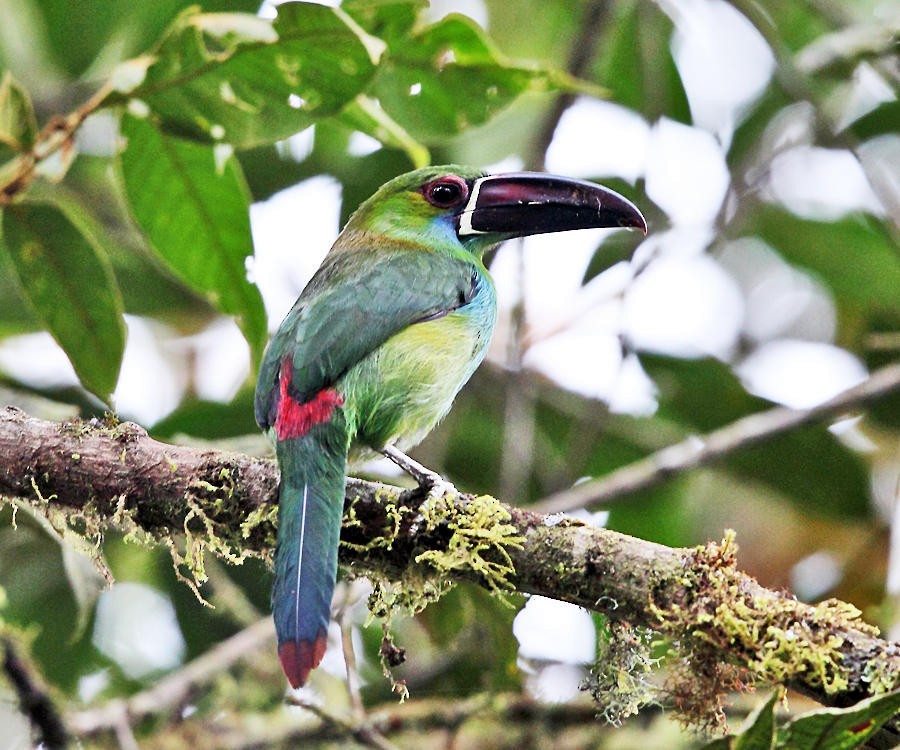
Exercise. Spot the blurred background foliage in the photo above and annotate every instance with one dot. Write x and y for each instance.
(759, 137)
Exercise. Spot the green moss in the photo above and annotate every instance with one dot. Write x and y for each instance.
(408, 596)
(215, 523)
(480, 539)
(468, 539)
(388, 535)
(80, 529)
(882, 675)
(618, 680)
(774, 640)
(265, 518)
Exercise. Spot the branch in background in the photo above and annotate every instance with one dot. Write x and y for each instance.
(793, 75)
(361, 730)
(49, 729)
(511, 720)
(57, 137)
(700, 450)
(116, 474)
(176, 688)
(519, 721)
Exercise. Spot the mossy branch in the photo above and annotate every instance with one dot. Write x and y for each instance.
(727, 629)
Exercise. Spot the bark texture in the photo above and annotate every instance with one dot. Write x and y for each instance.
(720, 618)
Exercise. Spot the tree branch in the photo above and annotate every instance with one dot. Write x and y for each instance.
(57, 136)
(700, 450)
(106, 474)
(34, 702)
(177, 687)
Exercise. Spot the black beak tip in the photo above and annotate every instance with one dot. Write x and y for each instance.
(624, 213)
(636, 222)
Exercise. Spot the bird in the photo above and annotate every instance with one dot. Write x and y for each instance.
(372, 354)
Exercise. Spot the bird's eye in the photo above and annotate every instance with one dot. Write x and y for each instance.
(446, 192)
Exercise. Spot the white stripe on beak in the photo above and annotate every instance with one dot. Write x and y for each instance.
(465, 217)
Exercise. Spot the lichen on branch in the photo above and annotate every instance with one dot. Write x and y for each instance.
(728, 630)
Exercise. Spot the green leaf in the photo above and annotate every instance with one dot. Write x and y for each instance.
(561, 22)
(100, 34)
(447, 78)
(794, 24)
(661, 514)
(191, 201)
(97, 194)
(81, 572)
(18, 125)
(40, 599)
(239, 79)
(386, 19)
(365, 115)
(614, 248)
(758, 731)
(16, 315)
(881, 120)
(69, 283)
(475, 627)
(637, 65)
(748, 139)
(839, 728)
(212, 420)
(701, 394)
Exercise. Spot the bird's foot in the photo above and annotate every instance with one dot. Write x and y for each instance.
(430, 482)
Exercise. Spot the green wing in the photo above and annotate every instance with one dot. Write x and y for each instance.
(355, 302)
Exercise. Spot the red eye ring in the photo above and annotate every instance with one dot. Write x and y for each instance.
(446, 192)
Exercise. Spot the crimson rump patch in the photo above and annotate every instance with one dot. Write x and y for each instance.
(295, 419)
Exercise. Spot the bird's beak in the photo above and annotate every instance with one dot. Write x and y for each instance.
(524, 203)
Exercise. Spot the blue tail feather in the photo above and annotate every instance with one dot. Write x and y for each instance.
(310, 506)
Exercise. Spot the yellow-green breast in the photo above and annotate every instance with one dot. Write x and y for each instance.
(400, 391)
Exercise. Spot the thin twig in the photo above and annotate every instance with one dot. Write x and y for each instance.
(176, 687)
(57, 135)
(700, 450)
(356, 701)
(124, 734)
(512, 714)
(33, 701)
(517, 451)
(363, 732)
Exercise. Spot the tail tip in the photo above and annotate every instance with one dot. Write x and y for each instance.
(298, 658)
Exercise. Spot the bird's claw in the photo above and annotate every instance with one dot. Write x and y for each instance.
(432, 484)
(437, 488)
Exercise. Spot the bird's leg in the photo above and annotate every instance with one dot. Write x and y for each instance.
(430, 481)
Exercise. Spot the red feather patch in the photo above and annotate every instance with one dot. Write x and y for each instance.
(294, 419)
(299, 658)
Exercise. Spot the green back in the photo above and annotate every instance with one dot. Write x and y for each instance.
(355, 302)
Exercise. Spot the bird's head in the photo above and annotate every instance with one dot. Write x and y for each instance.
(460, 205)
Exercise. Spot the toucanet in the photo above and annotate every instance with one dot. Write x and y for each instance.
(372, 354)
